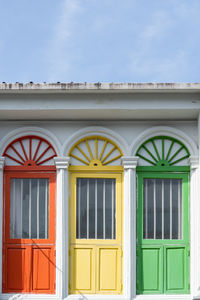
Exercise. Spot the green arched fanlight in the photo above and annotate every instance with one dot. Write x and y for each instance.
(162, 151)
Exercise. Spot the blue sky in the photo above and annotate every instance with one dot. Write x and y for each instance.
(100, 40)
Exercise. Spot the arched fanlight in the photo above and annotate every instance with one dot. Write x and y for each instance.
(29, 151)
(162, 151)
(95, 151)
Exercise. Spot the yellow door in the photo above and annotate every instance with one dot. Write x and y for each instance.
(96, 234)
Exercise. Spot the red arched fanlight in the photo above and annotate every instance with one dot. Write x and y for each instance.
(30, 151)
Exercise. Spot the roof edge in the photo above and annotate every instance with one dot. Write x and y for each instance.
(98, 86)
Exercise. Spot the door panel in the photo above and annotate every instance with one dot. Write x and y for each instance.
(176, 276)
(109, 273)
(82, 266)
(43, 268)
(150, 274)
(15, 269)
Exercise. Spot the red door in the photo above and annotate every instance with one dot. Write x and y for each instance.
(29, 232)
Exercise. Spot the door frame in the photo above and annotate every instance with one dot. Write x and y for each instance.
(100, 172)
(30, 244)
(156, 173)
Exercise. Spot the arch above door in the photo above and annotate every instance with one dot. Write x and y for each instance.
(29, 216)
(165, 131)
(95, 216)
(163, 241)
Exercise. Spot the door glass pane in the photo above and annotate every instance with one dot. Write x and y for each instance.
(167, 224)
(95, 208)
(29, 208)
(92, 209)
(162, 209)
(34, 208)
(159, 209)
(99, 201)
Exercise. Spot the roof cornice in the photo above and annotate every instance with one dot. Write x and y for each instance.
(72, 87)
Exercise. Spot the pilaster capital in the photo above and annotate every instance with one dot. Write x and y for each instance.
(62, 162)
(2, 162)
(129, 162)
(193, 162)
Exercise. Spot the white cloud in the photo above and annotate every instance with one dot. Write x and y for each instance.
(58, 48)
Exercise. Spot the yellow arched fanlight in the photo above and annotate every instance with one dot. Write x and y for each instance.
(95, 151)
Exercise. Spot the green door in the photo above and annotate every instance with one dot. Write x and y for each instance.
(163, 233)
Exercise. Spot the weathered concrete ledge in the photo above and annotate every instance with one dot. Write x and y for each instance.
(99, 86)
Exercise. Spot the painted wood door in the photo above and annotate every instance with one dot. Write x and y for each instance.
(96, 234)
(29, 232)
(163, 233)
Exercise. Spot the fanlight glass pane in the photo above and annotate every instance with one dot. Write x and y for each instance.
(29, 208)
(162, 209)
(95, 208)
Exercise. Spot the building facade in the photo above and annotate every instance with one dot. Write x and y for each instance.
(99, 191)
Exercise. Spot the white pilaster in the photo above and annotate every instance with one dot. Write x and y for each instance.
(62, 164)
(129, 262)
(194, 226)
(2, 160)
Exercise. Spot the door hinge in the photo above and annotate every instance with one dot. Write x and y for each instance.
(122, 253)
(188, 252)
(54, 286)
(122, 286)
(55, 253)
(69, 252)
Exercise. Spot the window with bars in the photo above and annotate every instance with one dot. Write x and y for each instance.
(29, 208)
(96, 208)
(162, 209)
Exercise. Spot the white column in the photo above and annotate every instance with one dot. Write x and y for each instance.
(194, 226)
(2, 160)
(129, 257)
(62, 164)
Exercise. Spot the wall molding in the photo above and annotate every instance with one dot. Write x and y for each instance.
(95, 130)
(27, 130)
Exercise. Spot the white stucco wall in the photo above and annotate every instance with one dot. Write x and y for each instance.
(124, 116)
